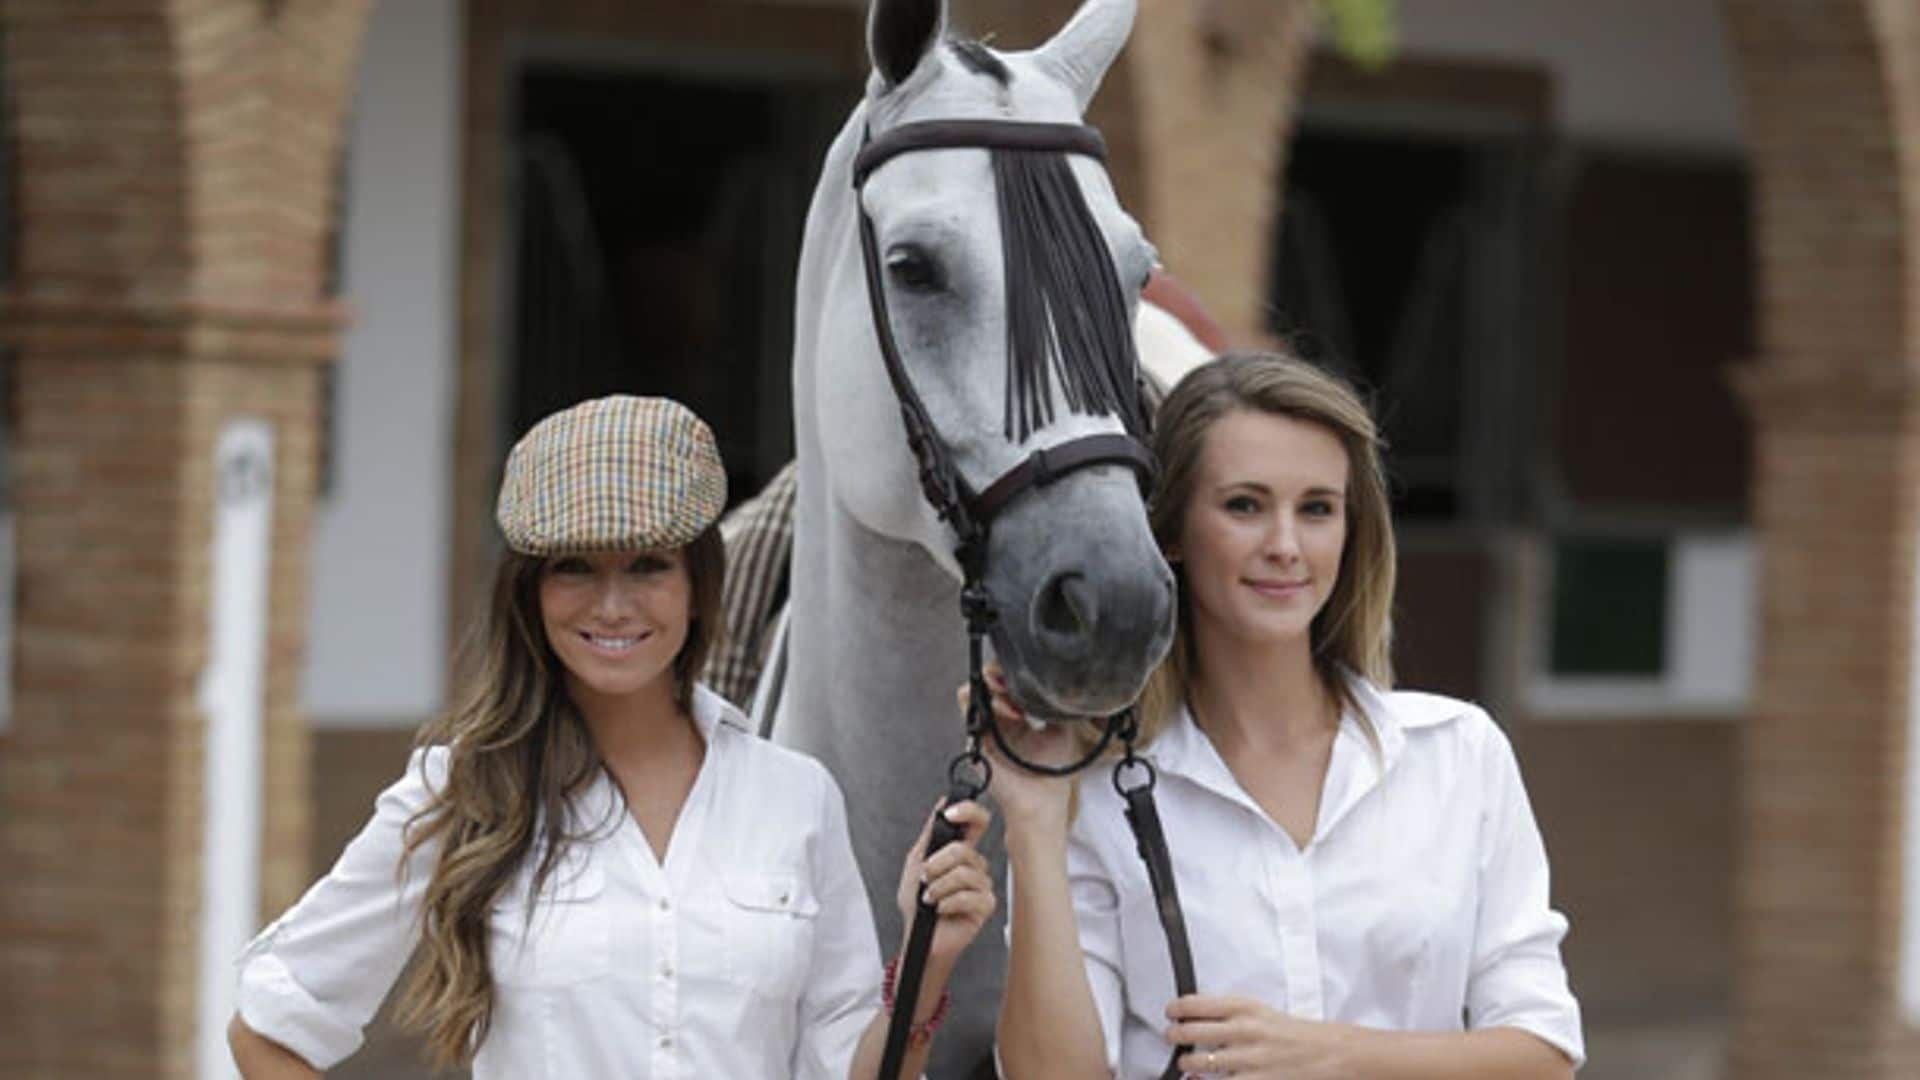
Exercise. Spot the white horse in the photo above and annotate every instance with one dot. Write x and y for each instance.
(874, 643)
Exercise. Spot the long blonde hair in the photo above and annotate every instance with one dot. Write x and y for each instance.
(1354, 629)
(518, 753)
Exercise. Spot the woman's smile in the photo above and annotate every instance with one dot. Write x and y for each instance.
(1278, 589)
(614, 646)
(617, 619)
(1262, 539)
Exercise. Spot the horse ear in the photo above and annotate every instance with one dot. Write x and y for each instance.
(1083, 49)
(899, 33)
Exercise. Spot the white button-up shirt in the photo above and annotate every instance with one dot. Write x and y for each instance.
(1420, 903)
(750, 952)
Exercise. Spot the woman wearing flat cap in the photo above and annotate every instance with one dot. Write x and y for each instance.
(605, 872)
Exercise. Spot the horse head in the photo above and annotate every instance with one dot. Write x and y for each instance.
(1007, 279)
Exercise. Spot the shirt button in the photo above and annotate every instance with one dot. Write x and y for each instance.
(666, 971)
(783, 899)
(666, 1042)
(666, 904)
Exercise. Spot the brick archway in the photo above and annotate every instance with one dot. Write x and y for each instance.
(1216, 83)
(1832, 95)
(175, 173)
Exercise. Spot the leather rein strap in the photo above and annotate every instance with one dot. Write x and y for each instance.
(971, 516)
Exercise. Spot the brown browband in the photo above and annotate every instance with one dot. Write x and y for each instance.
(977, 135)
(1050, 463)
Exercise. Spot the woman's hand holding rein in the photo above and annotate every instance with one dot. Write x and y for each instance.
(956, 881)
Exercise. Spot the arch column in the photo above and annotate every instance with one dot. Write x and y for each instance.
(1823, 762)
(1215, 85)
(174, 185)
(1833, 112)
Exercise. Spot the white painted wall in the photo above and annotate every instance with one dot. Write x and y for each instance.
(378, 635)
(233, 693)
(1639, 71)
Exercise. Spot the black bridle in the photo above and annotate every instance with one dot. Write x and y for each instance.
(971, 517)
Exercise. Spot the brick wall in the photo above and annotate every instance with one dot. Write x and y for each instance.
(173, 198)
(1215, 85)
(1824, 760)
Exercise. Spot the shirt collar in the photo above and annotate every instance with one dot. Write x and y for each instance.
(711, 712)
(1356, 768)
(713, 716)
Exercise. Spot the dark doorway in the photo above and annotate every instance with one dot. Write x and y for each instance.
(1411, 263)
(657, 224)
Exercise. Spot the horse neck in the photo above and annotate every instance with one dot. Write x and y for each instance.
(875, 622)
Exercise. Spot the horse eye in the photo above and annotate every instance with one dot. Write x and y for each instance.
(913, 269)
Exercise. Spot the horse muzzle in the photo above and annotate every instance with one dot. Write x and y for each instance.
(1084, 600)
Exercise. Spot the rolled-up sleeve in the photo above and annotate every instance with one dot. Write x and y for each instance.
(314, 978)
(1518, 979)
(843, 982)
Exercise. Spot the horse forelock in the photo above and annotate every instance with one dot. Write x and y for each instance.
(1069, 341)
(1066, 311)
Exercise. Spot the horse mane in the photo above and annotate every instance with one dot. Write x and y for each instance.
(1066, 312)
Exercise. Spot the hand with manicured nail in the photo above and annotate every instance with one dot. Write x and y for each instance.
(956, 880)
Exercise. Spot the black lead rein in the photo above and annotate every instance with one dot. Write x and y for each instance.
(971, 516)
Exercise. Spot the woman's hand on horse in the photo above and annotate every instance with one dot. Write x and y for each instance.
(955, 879)
(1028, 799)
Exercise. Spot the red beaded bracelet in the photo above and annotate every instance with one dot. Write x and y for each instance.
(921, 1034)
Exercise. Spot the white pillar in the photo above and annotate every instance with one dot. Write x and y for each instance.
(233, 696)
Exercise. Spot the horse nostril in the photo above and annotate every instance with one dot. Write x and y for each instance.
(1066, 610)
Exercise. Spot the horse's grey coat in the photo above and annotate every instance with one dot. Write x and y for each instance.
(875, 643)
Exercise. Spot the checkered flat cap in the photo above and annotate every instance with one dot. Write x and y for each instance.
(617, 473)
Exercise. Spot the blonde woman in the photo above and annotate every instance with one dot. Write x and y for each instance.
(606, 872)
(1363, 881)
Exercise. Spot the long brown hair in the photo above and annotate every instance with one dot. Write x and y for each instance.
(518, 753)
(1354, 629)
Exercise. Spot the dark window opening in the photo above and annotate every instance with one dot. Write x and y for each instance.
(1609, 607)
(658, 224)
(1410, 264)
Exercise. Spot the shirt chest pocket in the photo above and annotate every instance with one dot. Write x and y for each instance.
(769, 920)
(563, 936)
